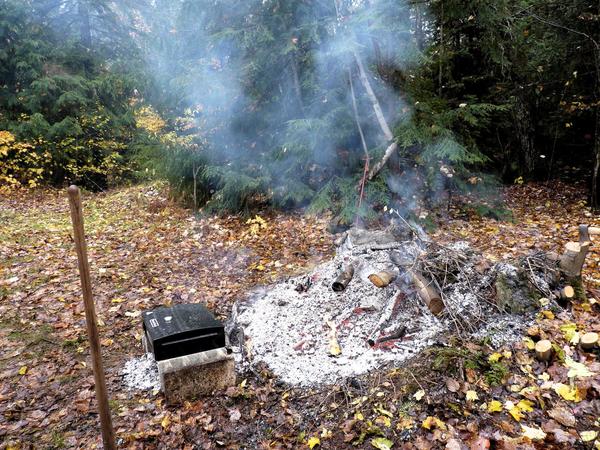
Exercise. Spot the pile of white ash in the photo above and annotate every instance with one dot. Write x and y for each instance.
(307, 334)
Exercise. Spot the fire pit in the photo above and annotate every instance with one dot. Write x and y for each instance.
(382, 299)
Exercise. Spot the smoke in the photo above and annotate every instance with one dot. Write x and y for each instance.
(268, 82)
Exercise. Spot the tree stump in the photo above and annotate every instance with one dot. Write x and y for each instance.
(543, 350)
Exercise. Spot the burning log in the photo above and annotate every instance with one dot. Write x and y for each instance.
(398, 334)
(383, 278)
(341, 282)
(428, 293)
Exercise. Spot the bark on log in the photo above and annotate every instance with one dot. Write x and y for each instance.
(589, 341)
(543, 350)
(573, 258)
(382, 279)
(428, 293)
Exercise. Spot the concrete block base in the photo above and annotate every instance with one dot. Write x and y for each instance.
(192, 376)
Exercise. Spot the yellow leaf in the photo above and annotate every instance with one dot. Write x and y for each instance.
(533, 433)
(529, 343)
(494, 406)
(313, 442)
(507, 354)
(260, 268)
(569, 331)
(516, 413)
(358, 416)
(494, 357)
(23, 370)
(472, 396)
(117, 300)
(548, 314)
(588, 436)
(525, 405)
(382, 443)
(433, 422)
(567, 392)
(243, 383)
(166, 422)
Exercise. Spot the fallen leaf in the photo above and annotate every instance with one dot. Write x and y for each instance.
(472, 396)
(494, 357)
(22, 370)
(533, 433)
(382, 443)
(577, 370)
(433, 422)
(452, 385)
(494, 406)
(562, 416)
(567, 392)
(235, 415)
(313, 442)
(588, 436)
(419, 394)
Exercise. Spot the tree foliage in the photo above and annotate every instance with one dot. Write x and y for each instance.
(263, 102)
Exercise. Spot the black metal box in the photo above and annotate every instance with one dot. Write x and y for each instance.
(182, 330)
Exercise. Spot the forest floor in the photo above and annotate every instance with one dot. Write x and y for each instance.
(145, 252)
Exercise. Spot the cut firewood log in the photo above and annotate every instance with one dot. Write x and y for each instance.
(383, 278)
(573, 258)
(565, 293)
(585, 232)
(543, 350)
(429, 294)
(589, 341)
(341, 282)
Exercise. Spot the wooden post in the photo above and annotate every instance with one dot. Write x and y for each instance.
(108, 435)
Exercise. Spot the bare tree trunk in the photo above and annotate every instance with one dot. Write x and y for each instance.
(85, 33)
(385, 128)
(524, 130)
(297, 87)
(596, 174)
(441, 51)
(195, 171)
(376, 105)
(419, 27)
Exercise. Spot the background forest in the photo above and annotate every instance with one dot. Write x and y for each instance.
(330, 104)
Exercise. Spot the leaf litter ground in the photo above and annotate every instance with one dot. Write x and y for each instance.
(147, 252)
